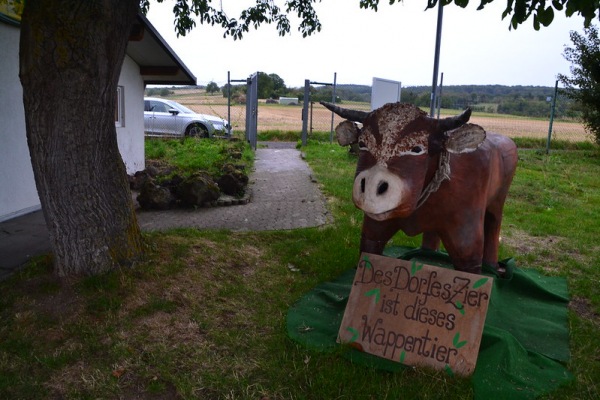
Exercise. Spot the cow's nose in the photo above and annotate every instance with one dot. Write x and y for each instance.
(382, 187)
(362, 185)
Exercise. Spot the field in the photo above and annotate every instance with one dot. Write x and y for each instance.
(275, 117)
(203, 315)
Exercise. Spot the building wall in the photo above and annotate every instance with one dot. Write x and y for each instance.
(18, 194)
(130, 135)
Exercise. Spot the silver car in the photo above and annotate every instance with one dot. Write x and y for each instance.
(164, 117)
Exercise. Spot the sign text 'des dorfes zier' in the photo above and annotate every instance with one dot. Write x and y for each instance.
(416, 314)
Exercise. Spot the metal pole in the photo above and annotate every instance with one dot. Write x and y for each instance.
(333, 101)
(305, 111)
(229, 102)
(251, 108)
(312, 103)
(248, 109)
(551, 117)
(436, 59)
(439, 96)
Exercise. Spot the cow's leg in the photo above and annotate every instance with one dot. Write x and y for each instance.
(506, 167)
(376, 234)
(491, 241)
(465, 247)
(430, 241)
(493, 222)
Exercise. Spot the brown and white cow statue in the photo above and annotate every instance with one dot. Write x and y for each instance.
(444, 178)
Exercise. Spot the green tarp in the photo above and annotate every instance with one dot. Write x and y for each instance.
(525, 341)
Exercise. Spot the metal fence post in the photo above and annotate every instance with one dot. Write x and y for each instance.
(436, 58)
(229, 102)
(305, 111)
(312, 104)
(333, 101)
(252, 109)
(439, 96)
(553, 106)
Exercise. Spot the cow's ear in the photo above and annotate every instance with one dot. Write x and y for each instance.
(465, 139)
(347, 133)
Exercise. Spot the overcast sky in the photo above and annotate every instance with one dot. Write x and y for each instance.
(396, 43)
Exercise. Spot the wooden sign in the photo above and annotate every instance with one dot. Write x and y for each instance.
(416, 314)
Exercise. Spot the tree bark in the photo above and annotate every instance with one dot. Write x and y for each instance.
(71, 53)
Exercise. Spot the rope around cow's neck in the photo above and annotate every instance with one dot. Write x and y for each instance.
(441, 174)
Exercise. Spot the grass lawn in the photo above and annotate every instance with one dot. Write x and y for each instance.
(204, 315)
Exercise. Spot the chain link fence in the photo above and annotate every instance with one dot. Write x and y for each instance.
(273, 116)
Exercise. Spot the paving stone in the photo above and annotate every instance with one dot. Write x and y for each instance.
(284, 196)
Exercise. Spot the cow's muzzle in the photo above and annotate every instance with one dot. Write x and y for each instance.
(379, 193)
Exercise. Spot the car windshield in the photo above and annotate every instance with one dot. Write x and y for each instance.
(179, 107)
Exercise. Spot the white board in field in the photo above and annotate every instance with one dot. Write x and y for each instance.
(384, 91)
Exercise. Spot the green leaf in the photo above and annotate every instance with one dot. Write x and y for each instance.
(480, 283)
(367, 262)
(431, 4)
(402, 356)
(449, 370)
(354, 333)
(374, 292)
(415, 267)
(545, 16)
(460, 307)
(557, 4)
(366, 4)
(483, 4)
(456, 341)
(536, 23)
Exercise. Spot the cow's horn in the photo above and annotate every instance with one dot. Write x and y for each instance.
(449, 123)
(352, 115)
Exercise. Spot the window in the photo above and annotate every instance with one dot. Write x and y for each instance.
(120, 108)
(157, 106)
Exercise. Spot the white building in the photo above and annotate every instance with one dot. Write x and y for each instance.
(149, 60)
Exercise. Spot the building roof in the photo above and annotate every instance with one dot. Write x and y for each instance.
(158, 62)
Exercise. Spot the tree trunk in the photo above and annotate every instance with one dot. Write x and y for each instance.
(71, 54)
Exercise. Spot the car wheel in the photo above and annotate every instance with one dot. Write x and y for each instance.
(196, 130)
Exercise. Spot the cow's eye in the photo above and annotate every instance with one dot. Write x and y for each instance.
(417, 150)
(362, 146)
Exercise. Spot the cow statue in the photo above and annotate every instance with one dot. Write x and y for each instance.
(444, 178)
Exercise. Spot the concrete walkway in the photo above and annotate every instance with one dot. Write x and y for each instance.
(284, 195)
(20, 239)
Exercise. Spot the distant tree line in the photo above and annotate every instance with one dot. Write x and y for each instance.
(527, 101)
(163, 92)
(270, 86)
